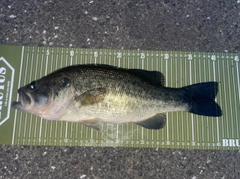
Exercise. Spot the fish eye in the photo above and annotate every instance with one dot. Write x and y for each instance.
(65, 82)
(33, 85)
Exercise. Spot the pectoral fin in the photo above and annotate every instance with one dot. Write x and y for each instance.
(93, 123)
(156, 122)
(91, 97)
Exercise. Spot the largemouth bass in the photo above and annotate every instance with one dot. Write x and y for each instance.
(93, 94)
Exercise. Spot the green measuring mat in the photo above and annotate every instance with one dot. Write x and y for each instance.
(21, 65)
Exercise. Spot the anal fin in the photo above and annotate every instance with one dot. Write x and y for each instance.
(155, 122)
(93, 123)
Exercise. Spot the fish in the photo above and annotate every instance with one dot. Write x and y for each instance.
(93, 94)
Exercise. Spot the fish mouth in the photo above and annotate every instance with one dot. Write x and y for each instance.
(25, 100)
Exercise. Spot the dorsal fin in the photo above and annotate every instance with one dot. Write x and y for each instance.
(154, 78)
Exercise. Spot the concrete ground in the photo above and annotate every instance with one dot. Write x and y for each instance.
(193, 25)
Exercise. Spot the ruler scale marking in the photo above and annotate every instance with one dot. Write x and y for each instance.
(183, 130)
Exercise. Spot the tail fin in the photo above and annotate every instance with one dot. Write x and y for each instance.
(202, 99)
